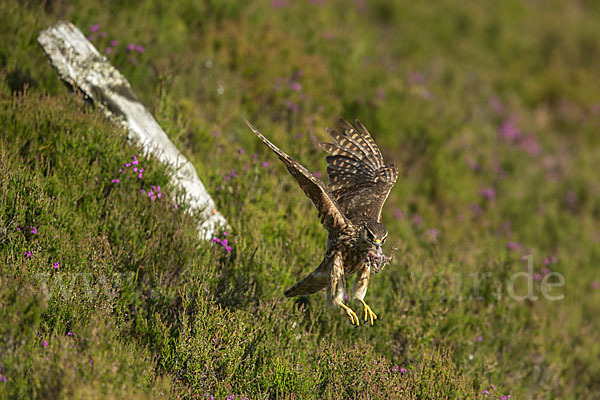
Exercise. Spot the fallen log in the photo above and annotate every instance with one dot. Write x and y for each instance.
(82, 67)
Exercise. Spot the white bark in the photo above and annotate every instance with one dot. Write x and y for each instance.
(80, 65)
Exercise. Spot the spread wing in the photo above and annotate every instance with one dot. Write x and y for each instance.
(359, 180)
(331, 217)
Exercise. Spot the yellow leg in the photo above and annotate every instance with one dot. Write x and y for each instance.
(368, 312)
(351, 314)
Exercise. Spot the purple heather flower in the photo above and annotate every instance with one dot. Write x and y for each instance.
(108, 50)
(27, 255)
(94, 28)
(493, 386)
(127, 165)
(417, 219)
(116, 180)
(530, 145)
(34, 230)
(398, 214)
(215, 240)
(595, 285)
(45, 343)
(176, 207)
(508, 131)
(91, 361)
(296, 86)
(293, 107)
(89, 37)
(497, 168)
(140, 175)
(546, 261)
(317, 174)
(2, 378)
(224, 233)
(416, 78)
(537, 277)
(433, 233)
(104, 34)
(275, 4)
(224, 242)
(227, 178)
(496, 105)
(142, 191)
(114, 43)
(265, 164)
(473, 165)
(135, 170)
(476, 208)
(513, 246)
(228, 249)
(403, 370)
(345, 296)
(545, 271)
(130, 46)
(140, 49)
(70, 333)
(121, 170)
(486, 391)
(395, 368)
(159, 195)
(479, 338)
(488, 193)
(56, 265)
(254, 156)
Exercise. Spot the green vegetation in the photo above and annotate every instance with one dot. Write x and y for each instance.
(490, 109)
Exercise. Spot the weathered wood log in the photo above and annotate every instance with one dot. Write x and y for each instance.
(81, 66)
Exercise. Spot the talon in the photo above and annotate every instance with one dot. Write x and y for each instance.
(351, 314)
(368, 312)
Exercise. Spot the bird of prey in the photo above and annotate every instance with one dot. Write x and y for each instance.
(350, 209)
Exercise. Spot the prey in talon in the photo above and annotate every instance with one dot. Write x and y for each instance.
(378, 259)
(350, 210)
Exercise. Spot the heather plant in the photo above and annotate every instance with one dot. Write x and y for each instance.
(491, 112)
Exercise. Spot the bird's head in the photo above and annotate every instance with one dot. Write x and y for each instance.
(374, 233)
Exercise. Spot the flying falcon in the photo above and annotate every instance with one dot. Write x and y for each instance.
(350, 210)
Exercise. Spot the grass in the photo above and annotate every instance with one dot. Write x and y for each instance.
(491, 111)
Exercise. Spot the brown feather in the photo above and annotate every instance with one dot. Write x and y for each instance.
(359, 180)
(312, 186)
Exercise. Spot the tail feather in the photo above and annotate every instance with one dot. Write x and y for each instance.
(314, 282)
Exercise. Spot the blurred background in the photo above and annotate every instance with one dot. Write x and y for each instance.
(491, 110)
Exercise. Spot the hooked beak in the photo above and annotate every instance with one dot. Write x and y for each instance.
(377, 243)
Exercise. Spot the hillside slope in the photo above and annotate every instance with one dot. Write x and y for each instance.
(491, 113)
